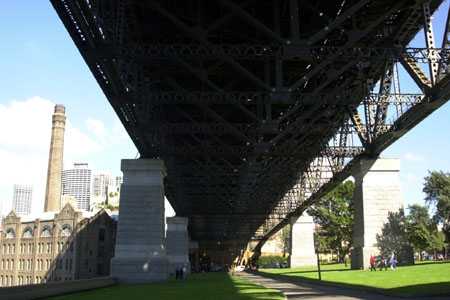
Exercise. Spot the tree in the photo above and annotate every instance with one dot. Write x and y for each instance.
(437, 191)
(437, 242)
(394, 238)
(421, 229)
(334, 214)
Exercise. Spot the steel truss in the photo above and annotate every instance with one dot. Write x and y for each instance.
(373, 129)
(244, 103)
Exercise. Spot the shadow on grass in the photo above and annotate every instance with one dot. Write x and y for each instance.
(314, 271)
(214, 286)
(417, 290)
(437, 288)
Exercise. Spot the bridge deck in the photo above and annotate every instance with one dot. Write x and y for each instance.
(238, 97)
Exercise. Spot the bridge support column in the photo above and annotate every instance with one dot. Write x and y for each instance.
(177, 243)
(377, 192)
(302, 242)
(140, 253)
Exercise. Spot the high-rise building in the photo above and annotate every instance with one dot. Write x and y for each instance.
(22, 197)
(100, 183)
(117, 181)
(55, 161)
(76, 182)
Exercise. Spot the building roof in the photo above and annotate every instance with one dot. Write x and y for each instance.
(49, 215)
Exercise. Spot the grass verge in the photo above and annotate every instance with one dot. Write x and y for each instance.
(418, 280)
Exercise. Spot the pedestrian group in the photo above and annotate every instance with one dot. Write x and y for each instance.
(382, 263)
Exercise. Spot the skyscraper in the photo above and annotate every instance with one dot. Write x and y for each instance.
(118, 180)
(100, 182)
(76, 182)
(22, 197)
(55, 161)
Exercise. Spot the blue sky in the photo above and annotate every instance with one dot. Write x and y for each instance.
(40, 66)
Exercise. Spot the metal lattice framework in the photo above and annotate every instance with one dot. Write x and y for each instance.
(258, 107)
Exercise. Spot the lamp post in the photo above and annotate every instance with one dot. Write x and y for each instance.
(316, 248)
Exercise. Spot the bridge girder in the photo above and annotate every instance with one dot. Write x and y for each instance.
(244, 104)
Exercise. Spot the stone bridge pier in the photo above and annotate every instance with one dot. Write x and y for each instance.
(302, 251)
(140, 254)
(377, 192)
(177, 244)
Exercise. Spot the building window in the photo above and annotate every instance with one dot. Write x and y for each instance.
(66, 230)
(10, 234)
(101, 234)
(99, 269)
(46, 231)
(28, 233)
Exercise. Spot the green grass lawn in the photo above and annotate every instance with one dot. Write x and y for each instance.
(209, 286)
(420, 279)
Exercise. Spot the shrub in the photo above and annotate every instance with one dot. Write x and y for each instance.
(272, 261)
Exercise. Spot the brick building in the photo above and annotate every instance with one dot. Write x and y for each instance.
(61, 246)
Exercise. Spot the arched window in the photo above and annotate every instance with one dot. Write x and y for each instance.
(66, 230)
(28, 233)
(10, 233)
(46, 231)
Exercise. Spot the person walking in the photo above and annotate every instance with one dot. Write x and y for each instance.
(383, 264)
(372, 263)
(393, 262)
(184, 272)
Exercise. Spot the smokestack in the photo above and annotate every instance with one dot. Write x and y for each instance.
(55, 161)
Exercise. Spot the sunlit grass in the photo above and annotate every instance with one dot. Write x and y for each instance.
(421, 279)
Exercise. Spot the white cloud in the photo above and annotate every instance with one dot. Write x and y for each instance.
(24, 145)
(409, 156)
(411, 178)
(96, 127)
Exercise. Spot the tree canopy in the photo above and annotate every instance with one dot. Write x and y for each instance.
(334, 213)
(437, 194)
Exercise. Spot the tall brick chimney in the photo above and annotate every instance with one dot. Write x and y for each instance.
(55, 161)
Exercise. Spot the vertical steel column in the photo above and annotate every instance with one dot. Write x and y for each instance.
(294, 22)
(429, 39)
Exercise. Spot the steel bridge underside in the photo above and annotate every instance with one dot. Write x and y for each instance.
(240, 97)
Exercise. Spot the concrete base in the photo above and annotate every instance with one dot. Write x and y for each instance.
(361, 256)
(302, 242)
(377, 192)
(177, 244)
(139, 270)
(140, 251)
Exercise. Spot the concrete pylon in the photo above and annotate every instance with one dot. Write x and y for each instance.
(140, 254)
(377, 192)
(302, 242)
(177, 243)
(55, 161)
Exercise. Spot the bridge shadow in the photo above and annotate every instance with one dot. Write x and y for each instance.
(208, 286)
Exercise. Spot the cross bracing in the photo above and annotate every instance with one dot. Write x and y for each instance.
(259, 107)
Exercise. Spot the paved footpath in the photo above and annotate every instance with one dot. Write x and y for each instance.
(303, 290)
